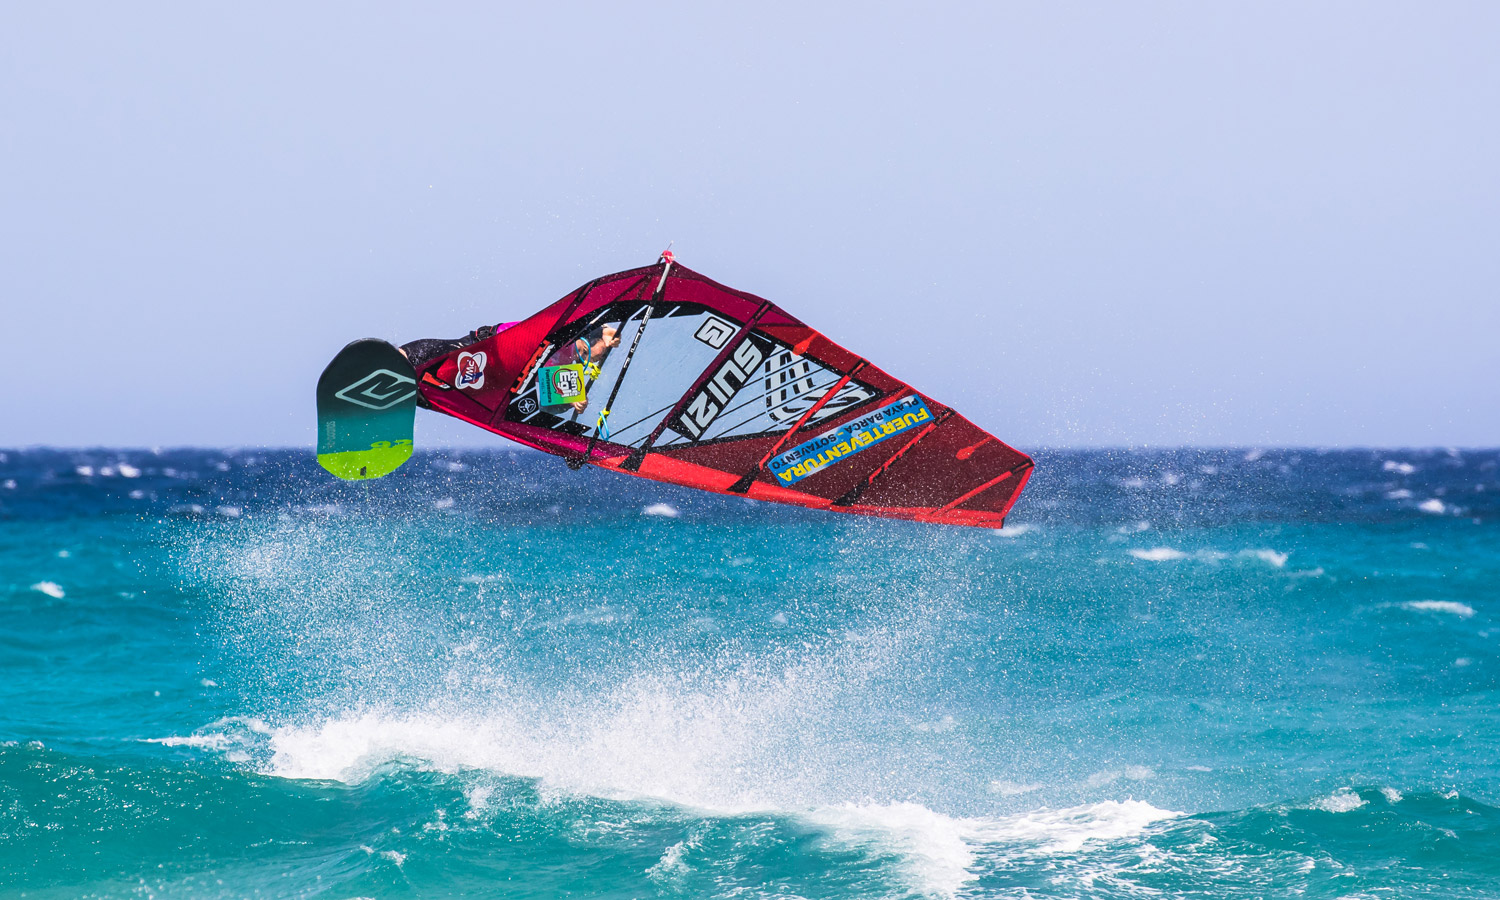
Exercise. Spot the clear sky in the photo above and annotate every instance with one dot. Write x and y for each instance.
(1081, 224)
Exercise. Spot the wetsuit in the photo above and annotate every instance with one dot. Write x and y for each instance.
(423, 352)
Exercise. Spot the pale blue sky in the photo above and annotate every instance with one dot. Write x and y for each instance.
(1144, 223)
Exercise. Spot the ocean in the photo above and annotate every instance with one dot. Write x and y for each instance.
(1207, 673)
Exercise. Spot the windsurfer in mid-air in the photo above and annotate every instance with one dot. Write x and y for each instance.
(728, 393)
(590, 349)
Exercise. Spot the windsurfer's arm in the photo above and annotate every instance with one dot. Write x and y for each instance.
(609, 339)
(584, 352)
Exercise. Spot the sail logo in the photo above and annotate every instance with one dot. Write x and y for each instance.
(715, 332)
(714, 397)
(471, 370)
(812, 456)
(567, 381)
(381, 389)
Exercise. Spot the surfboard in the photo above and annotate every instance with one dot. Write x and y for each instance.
(367, 407)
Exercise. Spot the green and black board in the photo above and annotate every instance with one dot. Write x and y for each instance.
(367, 405)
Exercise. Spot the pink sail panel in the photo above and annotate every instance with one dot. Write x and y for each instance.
(724, 391)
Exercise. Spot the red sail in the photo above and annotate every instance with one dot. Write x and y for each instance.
(721, 390)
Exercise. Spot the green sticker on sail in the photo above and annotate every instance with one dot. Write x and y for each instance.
(557, 385)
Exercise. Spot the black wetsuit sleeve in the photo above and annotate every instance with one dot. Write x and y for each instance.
(424, 351)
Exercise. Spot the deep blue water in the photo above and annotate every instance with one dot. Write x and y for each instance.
(1180, 673)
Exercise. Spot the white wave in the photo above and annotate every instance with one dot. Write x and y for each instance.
(1400, 468)
(715, 739)
(941, 851)
(228, 512)
(1391, 795)
(84, 471)
(938, 850)
(1254, 455)
(1270, 556)
(10, 484)
(1340, 801)
(671, 866)
(50, 588)
(1068, 830)
(128, 471)
(664, 510)
(237, 737)
(394, 856)
(1134, 528)
(1014, 531)
(1434, 506)
(1452, 607)
(1158, 554)
(648, 750)
(1402, 494)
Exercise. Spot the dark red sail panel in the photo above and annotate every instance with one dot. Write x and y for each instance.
(723, 391)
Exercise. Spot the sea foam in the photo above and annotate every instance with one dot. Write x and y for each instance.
(1159, 554)
(1451, 607)
(1340, 801)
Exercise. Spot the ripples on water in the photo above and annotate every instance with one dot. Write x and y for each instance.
(1212, 673)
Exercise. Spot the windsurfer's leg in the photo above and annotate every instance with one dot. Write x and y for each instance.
(423, 351)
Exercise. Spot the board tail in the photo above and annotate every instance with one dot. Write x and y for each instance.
(367, 407)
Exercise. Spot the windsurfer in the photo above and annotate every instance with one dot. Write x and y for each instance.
(590, 350)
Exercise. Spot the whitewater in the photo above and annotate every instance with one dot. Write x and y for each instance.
(1218, 673)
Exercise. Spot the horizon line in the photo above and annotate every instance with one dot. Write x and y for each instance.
(514, 447)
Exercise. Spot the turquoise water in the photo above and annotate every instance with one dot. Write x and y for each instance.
(1205, 674)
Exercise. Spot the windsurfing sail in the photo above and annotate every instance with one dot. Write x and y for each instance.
(662, 373)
